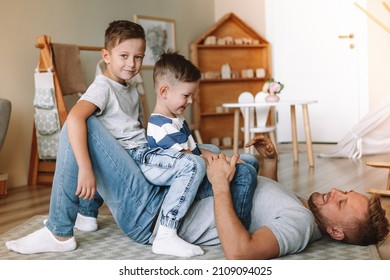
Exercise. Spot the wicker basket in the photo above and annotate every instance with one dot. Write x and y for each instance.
(3, 185)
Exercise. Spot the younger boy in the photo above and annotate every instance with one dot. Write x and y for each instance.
(176, 81)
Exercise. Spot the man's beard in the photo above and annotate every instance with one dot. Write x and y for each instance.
(313, 207)
(316, 212)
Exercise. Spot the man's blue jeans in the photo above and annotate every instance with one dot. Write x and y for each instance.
(133, 202)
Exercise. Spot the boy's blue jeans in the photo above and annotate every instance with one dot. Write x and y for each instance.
(182, 173)
(132, 200)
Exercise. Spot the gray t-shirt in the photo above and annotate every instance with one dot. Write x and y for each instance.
(274, 207)
(119, 110)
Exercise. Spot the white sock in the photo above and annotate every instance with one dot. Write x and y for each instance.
(167, 242)
(84, 223)
(41, 241)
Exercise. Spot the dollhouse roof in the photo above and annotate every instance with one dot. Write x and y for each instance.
(228, 25)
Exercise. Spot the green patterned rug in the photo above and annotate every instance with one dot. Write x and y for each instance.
(109, 243)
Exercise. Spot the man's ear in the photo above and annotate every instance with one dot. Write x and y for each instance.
(335, 233)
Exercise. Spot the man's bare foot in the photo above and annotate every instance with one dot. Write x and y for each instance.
(264, 147)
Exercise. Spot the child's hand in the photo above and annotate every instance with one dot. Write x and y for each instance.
(86, 186)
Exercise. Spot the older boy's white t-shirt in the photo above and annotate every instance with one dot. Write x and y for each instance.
(118, 110)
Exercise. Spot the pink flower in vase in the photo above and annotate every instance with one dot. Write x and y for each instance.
(272, 86)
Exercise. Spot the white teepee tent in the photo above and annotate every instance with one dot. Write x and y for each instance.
(370, 136)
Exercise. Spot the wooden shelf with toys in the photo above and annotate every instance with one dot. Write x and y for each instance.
(232, 46)
(232, 58)
(232, 80)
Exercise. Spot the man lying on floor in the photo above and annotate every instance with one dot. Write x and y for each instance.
(282, 223)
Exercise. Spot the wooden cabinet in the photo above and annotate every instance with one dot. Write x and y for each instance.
(229, 41)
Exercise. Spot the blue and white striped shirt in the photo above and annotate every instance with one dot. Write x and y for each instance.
(170, 133)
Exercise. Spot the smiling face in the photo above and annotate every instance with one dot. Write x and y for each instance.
(177, 96)
(176, 81)
(124, 60)
(337, 212)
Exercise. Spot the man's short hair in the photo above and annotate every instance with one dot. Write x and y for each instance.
(373, 228)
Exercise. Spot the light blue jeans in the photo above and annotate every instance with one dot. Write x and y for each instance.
(132, 200)
(182, 173)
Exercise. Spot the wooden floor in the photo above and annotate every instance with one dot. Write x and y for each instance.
(23, 203)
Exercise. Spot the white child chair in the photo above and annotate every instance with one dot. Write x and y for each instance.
(260, 114)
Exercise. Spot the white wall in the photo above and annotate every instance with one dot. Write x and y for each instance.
(251, 12)
(378, 52)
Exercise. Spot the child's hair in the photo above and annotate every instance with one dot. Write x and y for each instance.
(121, 30)
(175, 67)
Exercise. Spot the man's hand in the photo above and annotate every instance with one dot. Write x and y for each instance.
(220, 171)
(207, 153)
